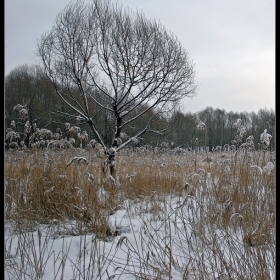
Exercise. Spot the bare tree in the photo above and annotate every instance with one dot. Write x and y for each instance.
(98, 49)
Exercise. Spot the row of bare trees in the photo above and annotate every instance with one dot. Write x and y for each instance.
(29, 86)
(220, 127)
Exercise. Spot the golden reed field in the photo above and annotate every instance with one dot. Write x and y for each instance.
(224, 202)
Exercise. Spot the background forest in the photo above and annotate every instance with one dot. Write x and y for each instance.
(31, 98)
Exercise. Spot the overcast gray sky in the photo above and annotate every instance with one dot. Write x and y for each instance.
(231, 42)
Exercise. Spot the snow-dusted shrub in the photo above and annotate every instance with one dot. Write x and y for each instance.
(265, 140)
(13, 145)
(179, 150)
(27, 127)
(43, 134)
(217, 149)
(134, 140)
(268, 167)
(117, 141)
(241, 130)
(226, 148)
(23, 112)
(83, 138)
(199, 124)
(60, 144)
(164, 145)
(73, 131)
(13, 124)
(39, 144)
(12, 136)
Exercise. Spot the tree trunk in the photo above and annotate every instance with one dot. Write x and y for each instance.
(111, 162)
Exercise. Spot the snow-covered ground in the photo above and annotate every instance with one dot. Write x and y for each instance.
(174, 241)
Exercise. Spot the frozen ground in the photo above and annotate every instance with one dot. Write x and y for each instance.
(149, 244)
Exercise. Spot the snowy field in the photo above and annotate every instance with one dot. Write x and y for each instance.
(195, 233)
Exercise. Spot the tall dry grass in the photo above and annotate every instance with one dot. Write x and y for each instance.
(226, 194)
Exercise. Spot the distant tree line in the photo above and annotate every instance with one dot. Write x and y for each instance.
(31, 97)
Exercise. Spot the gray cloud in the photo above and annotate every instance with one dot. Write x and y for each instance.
(232, 44)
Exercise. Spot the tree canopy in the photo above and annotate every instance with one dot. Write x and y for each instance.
(104, 58)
